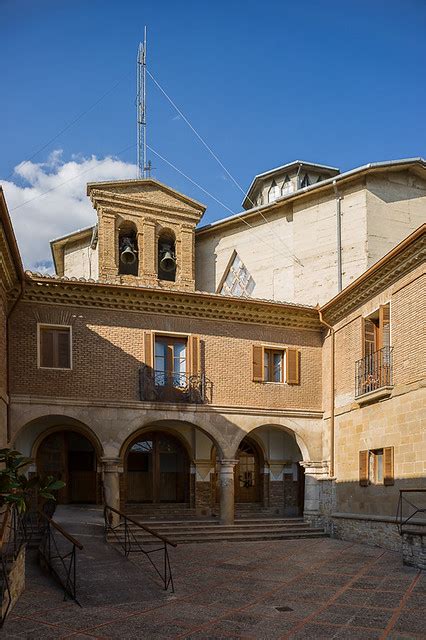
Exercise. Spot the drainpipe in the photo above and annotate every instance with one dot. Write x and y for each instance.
(339, 236)
(19, 296)
(332, 397)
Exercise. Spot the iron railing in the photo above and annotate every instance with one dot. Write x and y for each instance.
(124, 529)
(58, 551)
(13, 536)
(166, 386)
(409, 509)
(374, 371)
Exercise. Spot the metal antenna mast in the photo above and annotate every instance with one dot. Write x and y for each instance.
(143, 168)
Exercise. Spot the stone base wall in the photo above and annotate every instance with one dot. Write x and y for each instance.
(203, 498)
(373, 530)
(414, 550)
(16, 579)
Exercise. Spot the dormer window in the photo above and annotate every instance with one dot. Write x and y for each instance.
(305, 182)
(287, 186)
(273, 192)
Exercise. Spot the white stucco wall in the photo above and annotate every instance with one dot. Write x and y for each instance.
(80, 260)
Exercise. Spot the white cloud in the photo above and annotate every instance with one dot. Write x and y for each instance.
(64, 209)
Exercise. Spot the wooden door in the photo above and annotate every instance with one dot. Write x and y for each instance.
(52, 461)
(247, 475)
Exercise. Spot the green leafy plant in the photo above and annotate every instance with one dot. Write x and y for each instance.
(17, 488)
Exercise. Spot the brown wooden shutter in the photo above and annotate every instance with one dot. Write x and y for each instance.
(368, 337)
(194, 355)
(46, 348)
(293, 366)
(148, 349)
(258, 375)
(363, 468)
(384, 326)
(388, 477)
(63, 348)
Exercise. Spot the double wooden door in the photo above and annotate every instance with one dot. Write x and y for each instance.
(157, 470)
(247, 474)
(70, 457)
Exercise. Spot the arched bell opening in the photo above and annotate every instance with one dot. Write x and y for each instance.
(157, 469)
(128, 254)
(167, 256)
(70, 456)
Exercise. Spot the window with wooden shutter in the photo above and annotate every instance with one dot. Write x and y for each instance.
(55, 347)
(363, 468)
(148, 350)
(388, 473)
(384, 326)
(293, 366)
(369, 337)
(258, 375)
(194, 355)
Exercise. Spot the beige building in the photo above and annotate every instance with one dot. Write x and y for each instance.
(190, 369)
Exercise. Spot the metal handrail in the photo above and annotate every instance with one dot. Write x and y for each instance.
(172, 386)
(374, 371)
(400, 520)
(130, 543)
(63, 566)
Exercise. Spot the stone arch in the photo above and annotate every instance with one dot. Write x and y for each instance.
(291, 430)
(44, 425)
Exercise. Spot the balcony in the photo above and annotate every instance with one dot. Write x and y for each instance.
(166, 386)
(374, 373)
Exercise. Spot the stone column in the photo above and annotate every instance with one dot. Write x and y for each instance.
(226, 483)
(111, 477)
(108, 246)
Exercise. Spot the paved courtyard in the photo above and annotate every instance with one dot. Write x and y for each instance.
(285, 589)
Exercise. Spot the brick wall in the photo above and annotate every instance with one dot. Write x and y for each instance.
(108, 351)
(3, 369)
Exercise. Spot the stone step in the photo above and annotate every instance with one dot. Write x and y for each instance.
(174, 525)
(234, 536)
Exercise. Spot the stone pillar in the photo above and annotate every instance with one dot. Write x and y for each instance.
(148, 260)
(203, 487)
(315, 472)
(112, 469)
(108, 246)
(226, 483)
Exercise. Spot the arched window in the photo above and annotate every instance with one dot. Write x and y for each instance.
(273, 192)
(305, 182)
(167, 257)
(287, 186)
(128, 256)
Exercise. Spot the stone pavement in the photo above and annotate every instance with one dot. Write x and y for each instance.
(257, 590)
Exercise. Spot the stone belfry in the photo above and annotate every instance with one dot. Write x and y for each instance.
(145, 233)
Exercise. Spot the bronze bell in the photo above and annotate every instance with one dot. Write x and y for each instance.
(168, 261)
(128, 253)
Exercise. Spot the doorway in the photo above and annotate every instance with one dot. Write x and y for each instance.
(157, 470)
(247, 473)
(69, 456)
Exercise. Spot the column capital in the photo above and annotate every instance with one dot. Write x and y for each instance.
(112, 465)
(317, 469)
(228, 462)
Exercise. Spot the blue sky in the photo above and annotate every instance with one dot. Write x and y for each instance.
(341, 83)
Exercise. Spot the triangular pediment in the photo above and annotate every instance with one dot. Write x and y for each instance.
(144, 193)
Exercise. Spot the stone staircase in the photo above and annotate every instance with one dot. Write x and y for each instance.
(247, 529)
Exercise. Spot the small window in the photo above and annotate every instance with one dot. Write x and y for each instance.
(376, 467)
(273, 365)
(274, 192)
(55, 347)
(305, 182)
(287, 186)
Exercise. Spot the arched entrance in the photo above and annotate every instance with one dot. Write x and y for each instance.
(69, 456)
(247, 473)
(157, 469)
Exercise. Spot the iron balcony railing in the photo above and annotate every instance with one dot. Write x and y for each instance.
(166, 386)
(374, 371)
(411, 511)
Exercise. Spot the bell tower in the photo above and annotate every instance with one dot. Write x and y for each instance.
(146, 233)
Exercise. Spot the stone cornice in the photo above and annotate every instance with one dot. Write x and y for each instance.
(111, 204)
(50, 290)
(405, 257)
(17, 399)
(10, 261)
